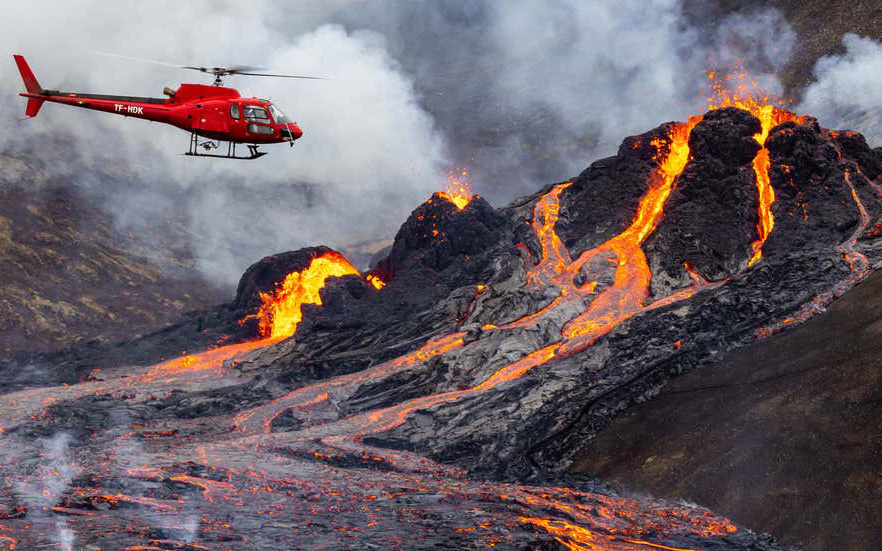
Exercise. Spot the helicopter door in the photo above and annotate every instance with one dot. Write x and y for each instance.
(259, 121)
(211, 119)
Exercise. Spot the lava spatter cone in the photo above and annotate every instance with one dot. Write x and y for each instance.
(441, 236)
(284, 284)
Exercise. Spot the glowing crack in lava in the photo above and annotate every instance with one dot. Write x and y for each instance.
(742, 95)
(459, 188)
(281, 310)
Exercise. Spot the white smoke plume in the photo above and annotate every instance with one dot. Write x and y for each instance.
(370, 152)
(847, 92)
(521, 92)
(44, 485)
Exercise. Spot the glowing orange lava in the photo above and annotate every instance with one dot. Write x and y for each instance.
(281, 311)
(738, 90)
(459, 188)
(375, 281)
(632, 277)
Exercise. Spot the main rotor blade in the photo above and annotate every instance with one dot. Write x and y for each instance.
(242, 68)
(217, 71)
(142, 60)
(279, 76)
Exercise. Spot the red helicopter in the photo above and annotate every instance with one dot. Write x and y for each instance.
(215, 113)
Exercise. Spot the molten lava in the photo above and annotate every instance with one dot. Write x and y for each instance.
(375, 281)
(281, 310)
(459, 188)
(766, 108)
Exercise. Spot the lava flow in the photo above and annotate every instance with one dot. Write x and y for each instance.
(281, 310)
(300, 457)
(770, 115)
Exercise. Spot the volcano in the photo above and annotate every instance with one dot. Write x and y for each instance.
(439, 400)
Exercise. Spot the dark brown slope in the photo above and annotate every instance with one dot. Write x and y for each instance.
(68, 275)
(784, 436)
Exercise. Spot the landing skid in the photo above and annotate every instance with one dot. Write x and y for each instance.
(208, 145)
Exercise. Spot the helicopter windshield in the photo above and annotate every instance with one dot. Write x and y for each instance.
(279, 117)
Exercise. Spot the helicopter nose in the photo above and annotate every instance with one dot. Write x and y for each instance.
(295, 130)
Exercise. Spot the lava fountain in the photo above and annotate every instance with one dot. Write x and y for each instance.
(459, 188)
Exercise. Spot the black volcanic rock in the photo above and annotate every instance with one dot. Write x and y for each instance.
(449, 241)
(264, 275)
(711, 215)
(809, 166)
(785, 429)
(616, 182)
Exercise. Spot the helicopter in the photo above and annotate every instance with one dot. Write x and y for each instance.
(211, 112)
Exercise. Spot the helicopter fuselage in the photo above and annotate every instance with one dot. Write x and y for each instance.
(213, 112)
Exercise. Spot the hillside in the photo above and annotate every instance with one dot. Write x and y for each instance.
(69, 274)
(445, 407)
(783, 435)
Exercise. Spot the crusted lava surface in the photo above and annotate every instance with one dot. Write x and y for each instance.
(444, 409)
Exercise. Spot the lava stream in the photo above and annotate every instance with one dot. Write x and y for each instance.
(281, 310)
(858, 265)
(770, 116)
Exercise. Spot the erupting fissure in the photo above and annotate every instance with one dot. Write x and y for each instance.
(582, 312)
(459, 188)
(765, 108)
(281, 310)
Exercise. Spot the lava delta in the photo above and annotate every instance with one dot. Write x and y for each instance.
(438, 400)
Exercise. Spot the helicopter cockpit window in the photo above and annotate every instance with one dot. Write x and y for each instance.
(278, 115)
(256, 113)
(234, 111)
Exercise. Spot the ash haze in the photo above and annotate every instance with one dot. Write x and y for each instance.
(522, 93)
(859, 71)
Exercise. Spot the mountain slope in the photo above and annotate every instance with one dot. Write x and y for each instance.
(68, 274)
(784, 435)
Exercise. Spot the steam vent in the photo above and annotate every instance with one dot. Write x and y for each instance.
(439, 400)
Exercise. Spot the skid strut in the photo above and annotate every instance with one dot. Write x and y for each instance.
(208, 145)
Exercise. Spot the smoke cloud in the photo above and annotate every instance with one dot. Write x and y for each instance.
(369, 155)
(522, 93)
(846, 92)
(46, 483)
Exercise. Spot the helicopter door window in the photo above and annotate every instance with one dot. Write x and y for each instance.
(256, 114)
(234, 112)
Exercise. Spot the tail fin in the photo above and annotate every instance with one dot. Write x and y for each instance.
(34, 105)
(30, 81)
(31, 85)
